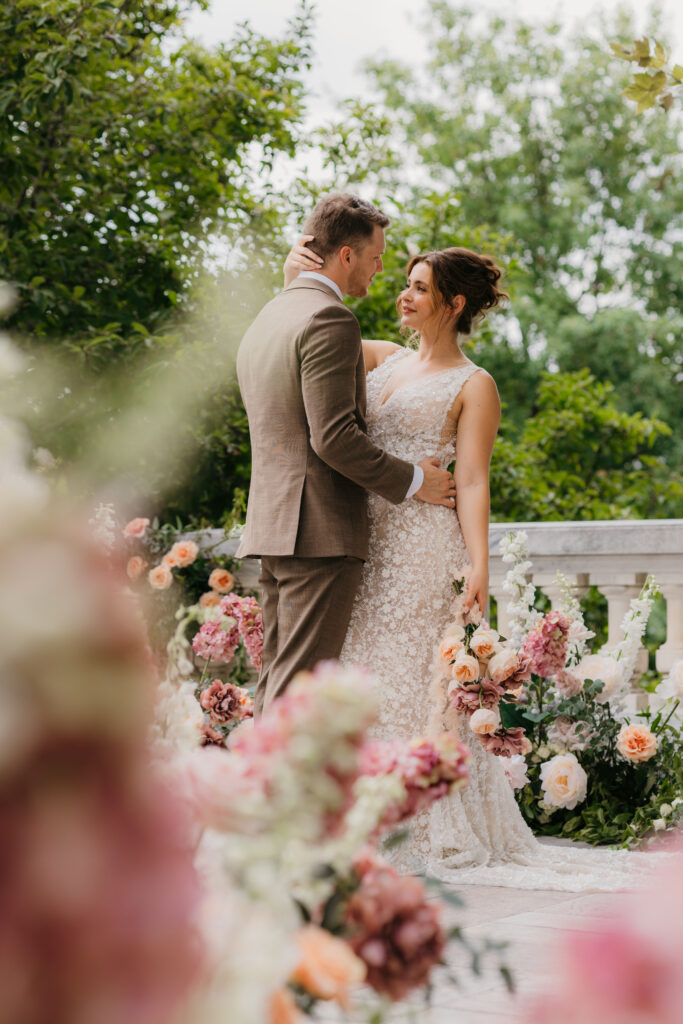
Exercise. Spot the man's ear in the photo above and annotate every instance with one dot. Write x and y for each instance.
(345, 255)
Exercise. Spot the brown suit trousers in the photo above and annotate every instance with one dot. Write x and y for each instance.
(302, 377)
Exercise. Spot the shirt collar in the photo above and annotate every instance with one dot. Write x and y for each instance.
(325, 280)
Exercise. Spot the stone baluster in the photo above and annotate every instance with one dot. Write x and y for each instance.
(502, 601)
(620, 591)
(672, 650)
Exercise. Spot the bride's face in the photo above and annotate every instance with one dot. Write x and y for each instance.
(415, 302)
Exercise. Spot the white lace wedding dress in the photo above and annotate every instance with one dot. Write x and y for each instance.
(402, 606)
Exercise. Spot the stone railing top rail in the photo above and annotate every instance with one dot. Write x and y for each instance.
(598, 537)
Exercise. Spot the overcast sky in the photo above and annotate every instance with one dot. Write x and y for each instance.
(347, 31)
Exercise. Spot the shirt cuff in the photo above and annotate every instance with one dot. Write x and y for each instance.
(418, 480)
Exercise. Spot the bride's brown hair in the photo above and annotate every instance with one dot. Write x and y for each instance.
(458, 271)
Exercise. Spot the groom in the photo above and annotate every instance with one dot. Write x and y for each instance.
(302, 377)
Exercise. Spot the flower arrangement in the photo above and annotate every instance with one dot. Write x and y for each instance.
(480, 673)
(595, 771)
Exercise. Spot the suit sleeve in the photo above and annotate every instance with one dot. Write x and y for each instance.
(329, 351)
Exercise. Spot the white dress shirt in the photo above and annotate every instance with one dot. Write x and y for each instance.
(418, 472)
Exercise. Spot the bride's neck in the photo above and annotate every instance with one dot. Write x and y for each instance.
(441, 347)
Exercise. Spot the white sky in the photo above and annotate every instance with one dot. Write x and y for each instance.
(348, 31)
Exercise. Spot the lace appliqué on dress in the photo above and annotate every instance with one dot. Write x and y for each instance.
(403, 604)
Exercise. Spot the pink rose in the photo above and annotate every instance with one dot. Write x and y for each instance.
(183, 553)
(506, 742)
(160, 577)
(567, 683)
(136, 528)
(470, 697)
(226, 703)
(222, 581)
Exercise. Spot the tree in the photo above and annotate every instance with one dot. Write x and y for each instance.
(123, 147)
(579, 457)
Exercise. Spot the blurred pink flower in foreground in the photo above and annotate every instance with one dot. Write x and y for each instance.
(393, 929)
(629, 970)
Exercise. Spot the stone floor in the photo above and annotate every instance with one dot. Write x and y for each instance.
(531, 924)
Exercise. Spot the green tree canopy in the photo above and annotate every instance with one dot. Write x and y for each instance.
(122, 147)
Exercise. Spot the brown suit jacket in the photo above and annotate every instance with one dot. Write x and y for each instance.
(301, 374)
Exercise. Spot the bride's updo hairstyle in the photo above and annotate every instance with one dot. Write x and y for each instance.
(458, 271)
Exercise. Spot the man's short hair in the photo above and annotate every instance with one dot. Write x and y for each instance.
(342, 219)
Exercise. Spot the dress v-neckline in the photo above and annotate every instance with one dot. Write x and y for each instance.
(439, 373)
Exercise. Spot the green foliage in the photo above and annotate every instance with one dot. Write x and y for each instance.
(579, 457)
(122, 146)
(623, 799)
(659, 83)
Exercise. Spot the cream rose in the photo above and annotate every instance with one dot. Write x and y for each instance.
(484, 643)
(449, 649)
(160, 577)
(563, 781)
(636, 743)
(503, 665)
(600, 666)
(136, 527)
(484, 721)
(454, 631)
(465, 669)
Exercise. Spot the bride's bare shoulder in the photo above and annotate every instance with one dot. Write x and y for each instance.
(375, 351)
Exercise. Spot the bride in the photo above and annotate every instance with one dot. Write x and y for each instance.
(434, 399)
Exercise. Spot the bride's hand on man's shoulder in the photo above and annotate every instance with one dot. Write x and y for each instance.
(299, 258)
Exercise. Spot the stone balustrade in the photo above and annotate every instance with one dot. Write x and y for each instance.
(613, 555)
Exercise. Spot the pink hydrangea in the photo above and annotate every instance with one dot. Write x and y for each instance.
(214, 643)
(546, 644)
(393, 928)
(247, 613)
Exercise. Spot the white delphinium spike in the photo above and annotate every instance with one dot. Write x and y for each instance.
(522, 614)
(569, 605)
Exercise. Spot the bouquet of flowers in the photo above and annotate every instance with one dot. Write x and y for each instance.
(595, 771)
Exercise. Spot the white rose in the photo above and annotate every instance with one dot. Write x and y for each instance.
(665, 810)
(659, 824)
(598, 666)
(578, 633)
(676, 678)
(503, 665)
(563, 781)
(484, 721)
(677, 802)
(515, 770)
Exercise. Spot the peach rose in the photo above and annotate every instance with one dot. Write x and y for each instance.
(503, 665)
(484, 643)
(484, 721)
(637, 743)
(449, 648)
(211, 599)
(135, 567)
(183, 553)
(328, 966)
(136, 528)
(282, 1009)
(465, 669)
(160, 577)
(563, 781)
(222, 581)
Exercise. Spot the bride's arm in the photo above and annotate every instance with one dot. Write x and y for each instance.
(299, 258)
(477, 428)
(376, 351)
